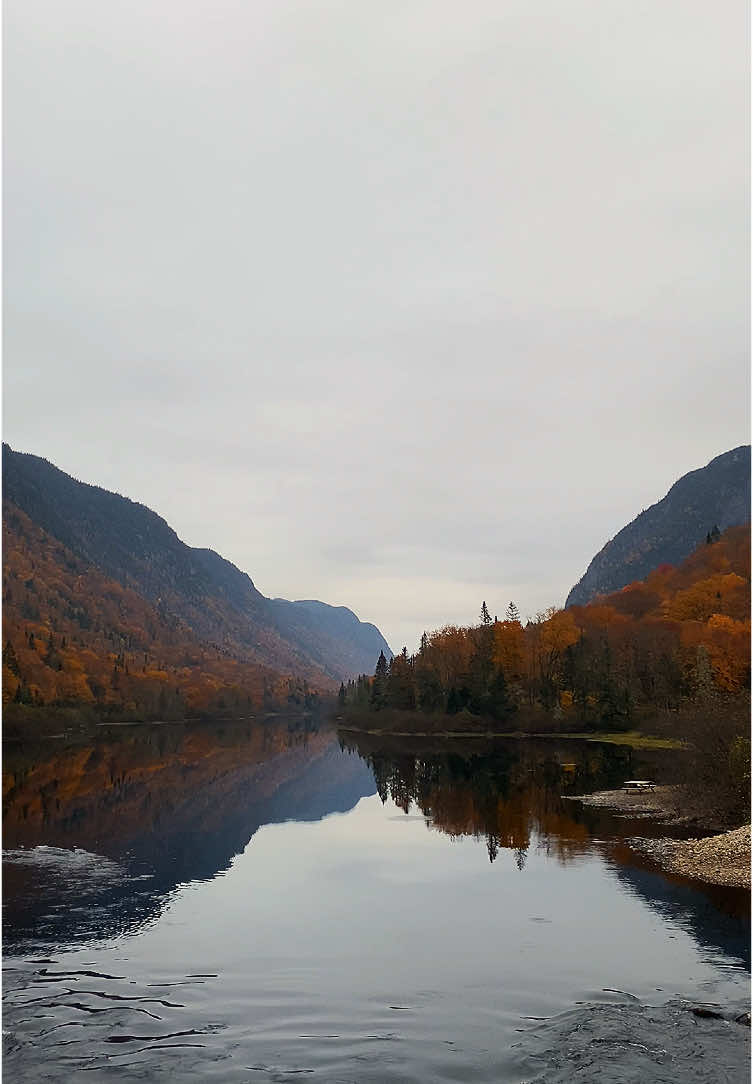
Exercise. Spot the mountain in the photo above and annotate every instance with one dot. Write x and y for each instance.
(717, 495)
(332, 633)
(194, 595)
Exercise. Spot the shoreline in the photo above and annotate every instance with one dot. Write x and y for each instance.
(720, 859)
(632, 738)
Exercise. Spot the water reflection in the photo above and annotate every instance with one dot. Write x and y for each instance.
(502, 791)
(516, 795)
(201, 917)
(100, 831)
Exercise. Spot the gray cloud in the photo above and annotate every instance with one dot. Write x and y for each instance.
(397, 305)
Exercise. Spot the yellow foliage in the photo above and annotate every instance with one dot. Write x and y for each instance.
(558, 632)
(509, 647)
(10, 684)
(705, 598)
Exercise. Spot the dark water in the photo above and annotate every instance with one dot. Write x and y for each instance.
(257, 902)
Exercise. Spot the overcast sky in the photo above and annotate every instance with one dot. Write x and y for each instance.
(399, 305)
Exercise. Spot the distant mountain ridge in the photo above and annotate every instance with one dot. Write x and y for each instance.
(668, 532)
(138, 549)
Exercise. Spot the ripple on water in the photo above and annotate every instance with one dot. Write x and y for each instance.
(83, 1019)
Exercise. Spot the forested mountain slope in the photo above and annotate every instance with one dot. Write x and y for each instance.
(193, 591)
(670, 644)
(717, 495)
(74, 637)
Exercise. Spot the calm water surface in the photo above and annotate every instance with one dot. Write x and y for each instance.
(256, 902)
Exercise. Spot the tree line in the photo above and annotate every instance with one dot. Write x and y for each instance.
(679, 637)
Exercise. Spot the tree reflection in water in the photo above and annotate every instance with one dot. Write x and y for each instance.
(507, 792)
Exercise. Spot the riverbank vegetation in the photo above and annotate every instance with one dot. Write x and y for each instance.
(668, 657)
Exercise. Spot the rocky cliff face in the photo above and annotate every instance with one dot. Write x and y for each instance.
(667, 532)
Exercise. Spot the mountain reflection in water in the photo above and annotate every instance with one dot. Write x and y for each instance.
(172, 804)
(167, 804)
(274, 897)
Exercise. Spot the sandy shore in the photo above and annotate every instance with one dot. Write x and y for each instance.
(722, 859)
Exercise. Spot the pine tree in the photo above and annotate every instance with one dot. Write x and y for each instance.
(512, 613)
(481, 668)
(11, 659)
(341, 695)
(499, 703)
(429, 690)
(401, 692)
(379, 686)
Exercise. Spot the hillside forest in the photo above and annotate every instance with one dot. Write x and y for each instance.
(675, 640)
(75, 638)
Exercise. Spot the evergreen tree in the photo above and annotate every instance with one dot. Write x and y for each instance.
(499, 703)
(363, 690)
(23, 694)
(512, 613)
(379, 686)
(51, 656)
(341, 695)
(11, 659)
(481, 670)
(485, 615)
(453, 702)
(401, 691)
(429, 691)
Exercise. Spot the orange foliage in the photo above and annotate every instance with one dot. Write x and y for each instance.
(509, 648)
(557, 632)
(73, 636)
(647, 636)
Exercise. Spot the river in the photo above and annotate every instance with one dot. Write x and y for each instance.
(265, 900)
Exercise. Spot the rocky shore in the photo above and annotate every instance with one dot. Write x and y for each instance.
(660, 803)
(719, 860)
(722, 859)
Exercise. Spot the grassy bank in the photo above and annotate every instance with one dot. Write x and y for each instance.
(523, 723)
(634, 738)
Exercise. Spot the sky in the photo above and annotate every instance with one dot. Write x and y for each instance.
(402, 306)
